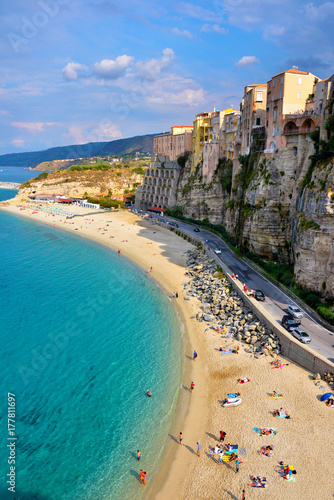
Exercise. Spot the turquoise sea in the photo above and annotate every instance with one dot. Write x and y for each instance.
(84, 333)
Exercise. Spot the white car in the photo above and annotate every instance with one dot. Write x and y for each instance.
(301, 335)
(217, 251)
(294, 311)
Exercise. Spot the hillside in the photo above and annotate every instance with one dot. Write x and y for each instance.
(111, 182)
(141, 143)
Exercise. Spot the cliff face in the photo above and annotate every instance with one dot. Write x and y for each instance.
(201, 200)
(278, 208)
(80, 184)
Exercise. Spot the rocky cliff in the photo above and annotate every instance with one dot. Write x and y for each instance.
(278, 206)
(81, 184)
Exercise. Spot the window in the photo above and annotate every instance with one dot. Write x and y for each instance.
(298, 95)
(281, 94)
(268, 85)
(273, 97)
(299, 81)
(258, 121)
(259, 96)
(275, 114)
(272, 146)
(295, 151)
(282, 79)
(273, 83)
(274, 130)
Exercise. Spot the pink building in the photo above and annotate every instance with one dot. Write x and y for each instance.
(287, 94)
(174, 143)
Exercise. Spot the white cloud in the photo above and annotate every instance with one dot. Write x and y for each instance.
(152, 69)
(32, 127)
(197, 12)
(184, 33)
(73, 71)
(112, 69)
(208, 28)
(187, 97)
(247, 61)
(18, 143)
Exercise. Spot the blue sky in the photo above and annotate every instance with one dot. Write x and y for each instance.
(76, 71)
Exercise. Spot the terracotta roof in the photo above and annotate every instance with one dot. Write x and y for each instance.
(182, 126)
(296, 71)
(257, 85)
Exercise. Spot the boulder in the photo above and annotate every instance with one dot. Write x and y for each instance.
(208, 317)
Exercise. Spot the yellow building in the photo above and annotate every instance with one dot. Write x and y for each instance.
(205, 130)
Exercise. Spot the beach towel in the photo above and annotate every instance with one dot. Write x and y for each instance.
(283, 415)
(226, 351)
(243, 380)
(227, 454)
(292, 479)
(256, 485)
(276, 397)
(233, 395)
(269, 431)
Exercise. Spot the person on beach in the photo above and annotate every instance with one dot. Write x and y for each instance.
(195, 355)
(138, 455)
(192, 387)
(243, 495)
(181, 438)
(237, 464)
(144, 476)
(149, 393)
(222, 436)
(198, 449)
(141, 476)
(221, 454)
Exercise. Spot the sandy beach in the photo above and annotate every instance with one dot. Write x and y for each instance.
(306, 441)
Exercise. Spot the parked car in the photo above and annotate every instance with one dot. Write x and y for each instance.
(301, 335)
(173, 224)
(259, 295)
(294, 311)
(290, 323)
(217, 251)
(196, 230)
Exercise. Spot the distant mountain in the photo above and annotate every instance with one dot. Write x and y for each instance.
(141, 143)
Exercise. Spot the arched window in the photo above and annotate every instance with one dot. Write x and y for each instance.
(272, 146)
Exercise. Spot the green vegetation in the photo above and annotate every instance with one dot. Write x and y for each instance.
(43, 175)
(139, 170)
(224, 172)
(182, 160)
(92, 166)
(308, 224)
(106, 202)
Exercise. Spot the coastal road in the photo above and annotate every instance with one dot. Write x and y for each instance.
(276, 300)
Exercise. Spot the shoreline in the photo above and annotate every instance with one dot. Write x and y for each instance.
(186, 407)
(305, 440)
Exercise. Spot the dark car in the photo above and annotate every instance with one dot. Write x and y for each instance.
(290, 323)
(173, 224)
(259, 295)
(196, 230)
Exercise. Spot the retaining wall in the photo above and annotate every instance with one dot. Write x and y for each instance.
(290, 347)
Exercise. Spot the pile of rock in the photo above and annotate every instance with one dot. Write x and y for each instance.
(223, 309)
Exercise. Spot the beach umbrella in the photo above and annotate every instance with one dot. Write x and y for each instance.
(326, 396)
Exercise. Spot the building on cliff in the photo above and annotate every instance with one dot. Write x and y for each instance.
(174, 143)
(228, 133)
(287, 94)
(159, 184)
(206, 132)
(252, 115)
